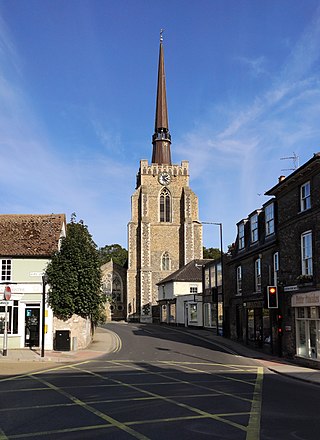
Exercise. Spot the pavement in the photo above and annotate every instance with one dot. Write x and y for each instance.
(105, 341)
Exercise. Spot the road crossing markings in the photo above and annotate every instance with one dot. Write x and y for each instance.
(34, 373)
(215, 374)
(170, 400)
(253, 431)
(94, 411)
(221, 393)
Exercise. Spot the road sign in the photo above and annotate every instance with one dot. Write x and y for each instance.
(7, 293)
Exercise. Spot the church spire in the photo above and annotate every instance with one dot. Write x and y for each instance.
(161, 139)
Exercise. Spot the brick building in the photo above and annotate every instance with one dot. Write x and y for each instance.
(298, 231)
(252, 267)
(279, 245)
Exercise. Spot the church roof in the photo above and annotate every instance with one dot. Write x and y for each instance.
(192, 271)
(30, 235)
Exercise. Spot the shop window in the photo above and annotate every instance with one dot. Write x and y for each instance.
(305, 197)
(12, 318)
(193, 312)
(306, 253)
(308, 331)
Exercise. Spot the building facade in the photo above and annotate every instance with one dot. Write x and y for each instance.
(180, 296)
(27, 243)
(164, 232)
(298, 231)
(254, 266)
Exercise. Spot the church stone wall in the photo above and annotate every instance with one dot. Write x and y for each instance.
(148, 238)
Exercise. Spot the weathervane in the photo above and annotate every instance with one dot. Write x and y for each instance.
(161, 35)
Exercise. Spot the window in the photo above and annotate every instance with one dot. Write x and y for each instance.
(254, 228)
(116, 289)
(257, 274)
(5, 270)
(219, 274)
(213, 276)
(305, 198)
(165, 261)
(241, 235)
(306, 253)
(275, 268)
(239, 280)
(269, 215)
(165, 205)
(193, 290)
(12, 318)
(206, 279)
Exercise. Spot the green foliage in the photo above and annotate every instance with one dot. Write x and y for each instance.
(115, 252)
(211, 253)
(74, 276)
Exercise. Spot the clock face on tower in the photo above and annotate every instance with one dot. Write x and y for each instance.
(164, 178)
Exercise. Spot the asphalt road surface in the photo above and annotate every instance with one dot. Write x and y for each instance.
(159, 383)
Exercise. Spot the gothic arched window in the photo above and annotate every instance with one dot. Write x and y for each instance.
(116, 288)
(165, 205)
(165, 261)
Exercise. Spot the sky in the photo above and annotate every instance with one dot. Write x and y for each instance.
(77, 103)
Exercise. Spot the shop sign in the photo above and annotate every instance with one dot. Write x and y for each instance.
(253, 304)
(290, 288)
(306, 299)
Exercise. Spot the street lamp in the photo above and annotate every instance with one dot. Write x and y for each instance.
(44, 283)
(222, 268)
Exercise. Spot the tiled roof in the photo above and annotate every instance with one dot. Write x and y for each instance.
(190, 272)
(27, 235)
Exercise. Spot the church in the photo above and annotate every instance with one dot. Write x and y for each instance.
(164, 232)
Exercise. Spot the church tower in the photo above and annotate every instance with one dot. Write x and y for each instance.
(164, 233)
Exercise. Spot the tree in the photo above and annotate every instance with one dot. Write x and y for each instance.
(213, 253)
(74, 276)
(115, 252)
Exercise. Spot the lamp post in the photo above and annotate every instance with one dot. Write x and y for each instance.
(44, 283)
(222, 268)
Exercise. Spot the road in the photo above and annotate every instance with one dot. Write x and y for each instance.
(159, 383)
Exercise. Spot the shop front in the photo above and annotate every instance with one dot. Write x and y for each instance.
(258, 329)
(307, 324)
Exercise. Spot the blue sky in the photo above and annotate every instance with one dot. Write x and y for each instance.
(77, 103)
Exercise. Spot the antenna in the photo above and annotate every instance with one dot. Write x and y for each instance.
(295, 160)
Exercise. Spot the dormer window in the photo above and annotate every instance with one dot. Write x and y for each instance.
(305, 197)
(241, 236)
(254, 228)
(269, 216)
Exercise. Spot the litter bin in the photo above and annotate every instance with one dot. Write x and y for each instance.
(62, 340)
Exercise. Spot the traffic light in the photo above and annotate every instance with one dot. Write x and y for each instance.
(279, 324)
(272, 295)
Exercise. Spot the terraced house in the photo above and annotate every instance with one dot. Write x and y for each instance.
(279, 245)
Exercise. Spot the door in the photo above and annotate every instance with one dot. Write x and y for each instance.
(32, 327)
